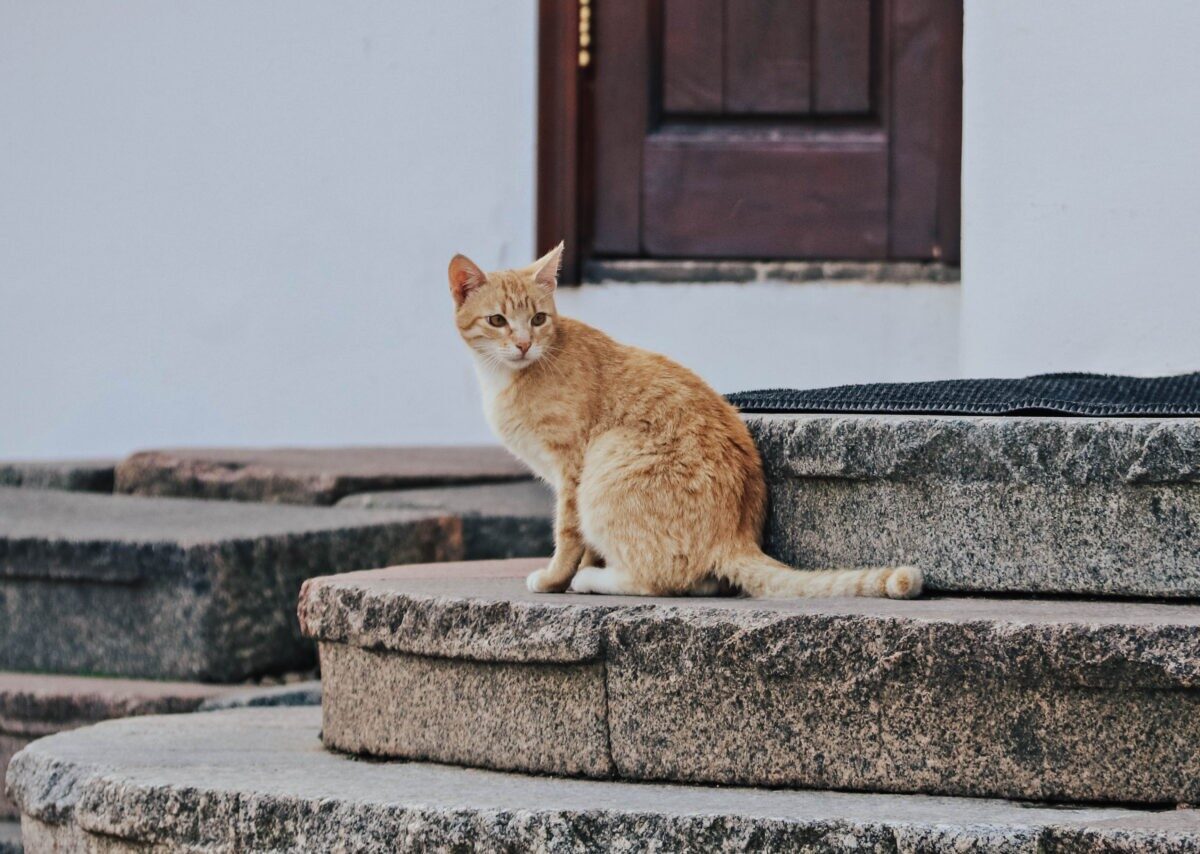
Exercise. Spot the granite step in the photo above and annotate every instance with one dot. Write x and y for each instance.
(34, 705)
(319, 476)
(1053, 700)
(499, 520)
(1109, 507)
(257, 779)
(180, 589)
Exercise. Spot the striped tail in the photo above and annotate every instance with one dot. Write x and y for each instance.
(766, 578)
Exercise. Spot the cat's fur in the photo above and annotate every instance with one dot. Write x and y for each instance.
(659, 486)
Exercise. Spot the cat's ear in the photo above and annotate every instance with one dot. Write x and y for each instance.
(465, 278)
(545, 269)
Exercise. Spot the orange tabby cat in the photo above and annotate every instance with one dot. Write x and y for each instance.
(660, 489)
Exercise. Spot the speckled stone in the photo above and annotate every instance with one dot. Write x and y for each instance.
(499, 520)
(257, 779)
(179, 589)
(1053, 700)
(308, 475)
(34, 705)
(1057, 505)
(546, 718)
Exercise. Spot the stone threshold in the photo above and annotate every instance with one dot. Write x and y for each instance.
(257, 779)
(631, 271)
(967, 696)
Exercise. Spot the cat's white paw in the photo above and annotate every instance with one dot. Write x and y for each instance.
(537, 581)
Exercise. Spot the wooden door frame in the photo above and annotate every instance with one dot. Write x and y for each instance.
(565, 124)
(559, 122)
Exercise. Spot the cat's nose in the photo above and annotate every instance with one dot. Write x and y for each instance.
(524, 346)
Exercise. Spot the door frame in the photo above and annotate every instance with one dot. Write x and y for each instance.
(565, 125)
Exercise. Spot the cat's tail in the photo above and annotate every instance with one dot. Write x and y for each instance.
(766, 578)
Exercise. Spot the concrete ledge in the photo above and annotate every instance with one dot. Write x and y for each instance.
(257, 779)
(33, 706)
(308, 475)
(170, 588)
(1055, 505)
(981, 697)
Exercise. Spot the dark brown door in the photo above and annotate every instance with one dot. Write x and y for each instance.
(817, 129)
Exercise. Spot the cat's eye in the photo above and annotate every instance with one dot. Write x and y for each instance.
(539, 318)
(497, 320)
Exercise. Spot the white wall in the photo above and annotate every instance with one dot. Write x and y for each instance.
(228, 221)
(1081, 190)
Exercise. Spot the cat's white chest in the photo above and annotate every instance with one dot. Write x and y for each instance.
(494, 382)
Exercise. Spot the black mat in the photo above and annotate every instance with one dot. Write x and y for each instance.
(1045, 394)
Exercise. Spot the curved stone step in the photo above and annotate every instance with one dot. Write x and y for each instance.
(35, 705)
(257, 779)
(1104, 506)
(1047, 700)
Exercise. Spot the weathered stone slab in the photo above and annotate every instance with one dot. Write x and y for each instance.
(499, 520)
(1056, 505)
(33, 706)
(308, 475)
(1054, 700)
(546, 718)
(170, 588)
(73, 475)
(256, 779)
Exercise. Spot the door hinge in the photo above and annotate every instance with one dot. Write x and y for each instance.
(585, 33)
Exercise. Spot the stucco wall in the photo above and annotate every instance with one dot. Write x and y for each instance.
(1081, 186)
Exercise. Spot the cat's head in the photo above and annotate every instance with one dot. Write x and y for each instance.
(507, 317)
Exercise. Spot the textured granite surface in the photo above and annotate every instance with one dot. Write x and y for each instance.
(75, 475)
(171, 588)
(540, 717)
(308, 475)
(1057, 505)
(257, 779)
(499, 520)
(35, 705)
(1053, 699)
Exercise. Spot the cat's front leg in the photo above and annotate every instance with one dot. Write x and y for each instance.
(568, 545)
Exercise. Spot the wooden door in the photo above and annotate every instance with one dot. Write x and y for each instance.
(806, 129)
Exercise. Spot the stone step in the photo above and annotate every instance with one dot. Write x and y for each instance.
(1057, 505)
(96, 475)
(257, 779)
(1048, 700)
(33, 706)
(308, 475)
(499, 520)
(179, 589)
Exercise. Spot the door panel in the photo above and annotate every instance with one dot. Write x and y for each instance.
(693, 49)
(777, 128)
(842, 56)
(726, 197)
(768, 56)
